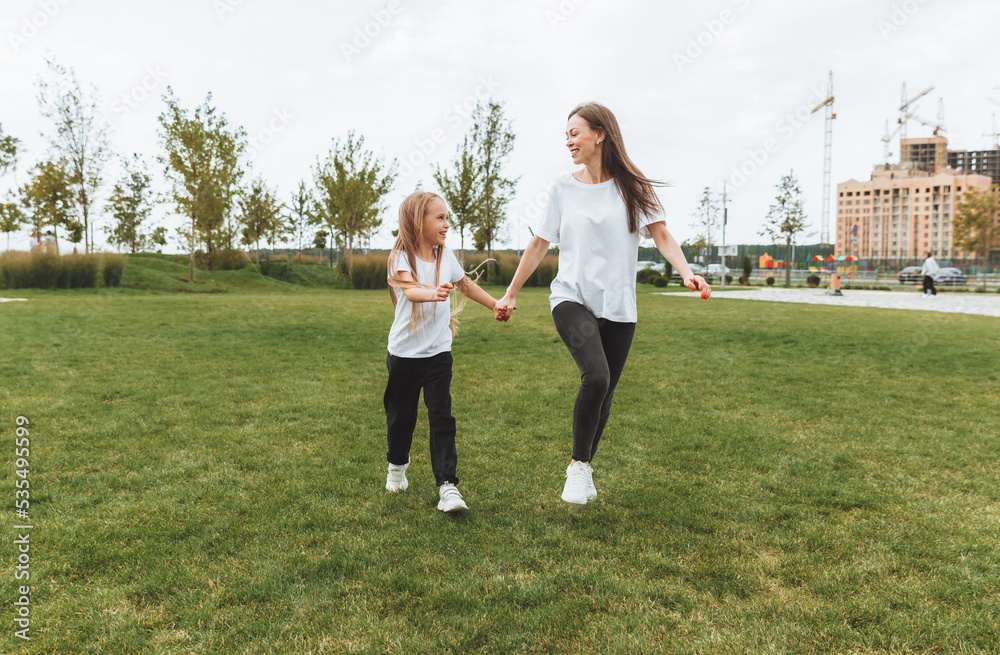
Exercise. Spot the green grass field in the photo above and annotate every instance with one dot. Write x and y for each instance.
(207, 476)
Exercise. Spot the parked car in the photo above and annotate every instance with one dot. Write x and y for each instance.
(697, 269)
(950, 277)
(716, 270)
(656, 266)
(910, 275)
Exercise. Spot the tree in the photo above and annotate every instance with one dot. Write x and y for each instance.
(319, 241)
(302, 214)
(201, 156)
(79, 136)
(786, 218)
(50, 197)
(260, 214)
(705, 224)
(461, 189)
(974, 228)
(493, 140)
(351, 185)
(11, 219)
(8, 152)
(130, 205)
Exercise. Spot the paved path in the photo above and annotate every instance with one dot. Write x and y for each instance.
(11, 299)
(985, 304)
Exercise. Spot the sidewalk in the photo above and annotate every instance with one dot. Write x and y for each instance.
(984, 304)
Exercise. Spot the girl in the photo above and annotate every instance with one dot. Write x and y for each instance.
(596, 216)
(420, 342)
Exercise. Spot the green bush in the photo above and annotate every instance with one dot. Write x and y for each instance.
(747, 267)
(367, 271)
(660, 281)
(729, 279)
(744, 280)
(644, 276)
(770, 280)
(78, 272)
(112, 268)
(812, 281)
(225, 260)
(47, 270)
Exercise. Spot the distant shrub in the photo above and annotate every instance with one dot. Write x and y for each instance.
(744, 279)
(112, 268)
(812, 281)
(729, 279)
(78, 272)
(367, 271)
(644, 276)
(506, 265)
(225, 260)
(47, 270)
(770, 281)
(660, 281)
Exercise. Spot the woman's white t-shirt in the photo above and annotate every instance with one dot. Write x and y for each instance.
(433, 335)
(597, 254)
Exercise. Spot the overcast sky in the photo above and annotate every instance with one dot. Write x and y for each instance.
(700, 89)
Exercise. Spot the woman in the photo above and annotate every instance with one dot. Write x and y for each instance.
(596, 216)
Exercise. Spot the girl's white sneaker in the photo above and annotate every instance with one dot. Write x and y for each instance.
(395, 480)
(451, 499)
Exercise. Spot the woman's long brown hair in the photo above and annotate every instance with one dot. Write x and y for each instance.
(635, 188)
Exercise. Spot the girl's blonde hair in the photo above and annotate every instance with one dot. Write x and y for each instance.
(412, 213)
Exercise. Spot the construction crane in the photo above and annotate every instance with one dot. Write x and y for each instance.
(904, 114)
(886, 140)
(939, 126)
(904, 117)
(827, 151)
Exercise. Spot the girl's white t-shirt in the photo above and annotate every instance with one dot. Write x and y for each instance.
(597, 254)
(433, 335)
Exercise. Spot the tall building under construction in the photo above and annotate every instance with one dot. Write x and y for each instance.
(906, 209)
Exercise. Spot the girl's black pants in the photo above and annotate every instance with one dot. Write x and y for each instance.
(407, 376)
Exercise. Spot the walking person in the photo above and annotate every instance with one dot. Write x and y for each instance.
(929, 270)
(596, 215)
(420, 343)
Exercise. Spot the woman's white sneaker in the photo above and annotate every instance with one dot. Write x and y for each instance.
(395, 480)
(451, 499)
(575, 489)
(591, 489)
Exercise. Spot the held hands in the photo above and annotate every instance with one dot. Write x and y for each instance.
(503, 309)
(698, 283)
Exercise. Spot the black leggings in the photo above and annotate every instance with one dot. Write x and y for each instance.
(929, 285)
(600, 348)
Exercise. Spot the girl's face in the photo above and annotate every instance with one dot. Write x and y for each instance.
(435, 223)
(582, 141)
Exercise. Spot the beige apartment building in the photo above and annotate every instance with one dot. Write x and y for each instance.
(906, 209)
